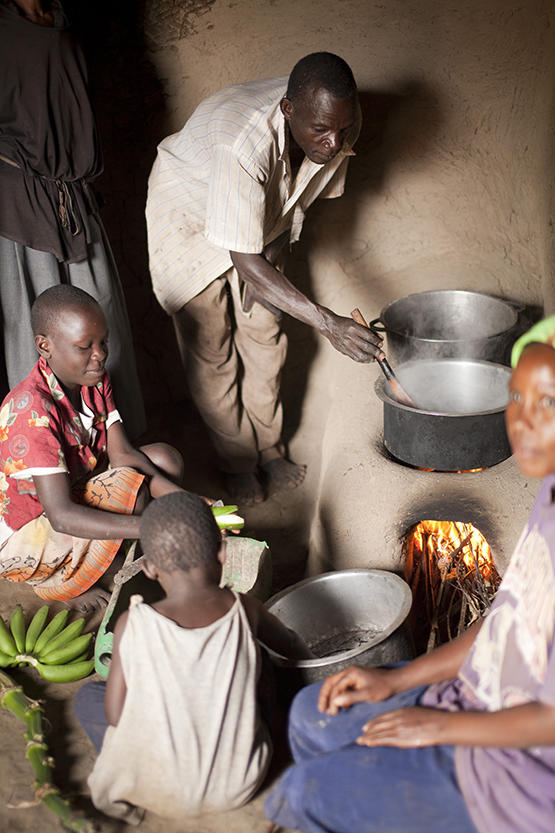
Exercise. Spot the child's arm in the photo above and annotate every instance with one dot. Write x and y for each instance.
(531, 724)
(370, 685)
(122, 453)
(54, 494)
(268, 629)
(116, 688)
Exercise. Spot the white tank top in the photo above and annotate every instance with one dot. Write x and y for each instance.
(189, 739)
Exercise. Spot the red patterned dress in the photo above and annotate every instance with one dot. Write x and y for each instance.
(41, 433)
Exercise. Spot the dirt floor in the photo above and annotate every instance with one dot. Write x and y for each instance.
(281, 522)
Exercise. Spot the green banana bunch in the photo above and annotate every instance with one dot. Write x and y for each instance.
(58, 651)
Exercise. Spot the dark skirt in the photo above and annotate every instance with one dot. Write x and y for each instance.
(26, 272)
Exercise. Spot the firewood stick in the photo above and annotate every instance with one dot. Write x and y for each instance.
(462, 616)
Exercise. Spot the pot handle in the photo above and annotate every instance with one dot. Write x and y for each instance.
(372, 325)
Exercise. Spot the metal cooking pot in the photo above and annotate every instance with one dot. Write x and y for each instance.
(460, 422)
(345, 616)
(448, 324)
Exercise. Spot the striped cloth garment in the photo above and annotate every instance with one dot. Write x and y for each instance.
(224, 183)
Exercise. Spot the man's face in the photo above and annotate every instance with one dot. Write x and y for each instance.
(530, 414)
(319, 122)
(77, 347)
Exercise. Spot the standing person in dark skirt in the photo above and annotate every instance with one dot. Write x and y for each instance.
(50, 229)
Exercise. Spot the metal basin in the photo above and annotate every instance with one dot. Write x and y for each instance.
(460, 424)
(448, 324)
(344, 617)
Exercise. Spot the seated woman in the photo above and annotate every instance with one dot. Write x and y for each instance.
(71, 484)
(461, 739)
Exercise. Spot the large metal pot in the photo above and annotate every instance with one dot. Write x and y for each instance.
(345, 616)
(448, 324)
(460, 422)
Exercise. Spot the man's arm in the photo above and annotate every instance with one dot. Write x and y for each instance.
(348, 337)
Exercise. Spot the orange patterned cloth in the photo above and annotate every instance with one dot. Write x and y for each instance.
(61, 566)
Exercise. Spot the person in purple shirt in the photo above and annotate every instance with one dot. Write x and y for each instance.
(461, 739)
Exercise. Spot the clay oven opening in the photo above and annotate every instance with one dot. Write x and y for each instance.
(450, 569)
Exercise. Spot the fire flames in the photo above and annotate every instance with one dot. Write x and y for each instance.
(453, 578)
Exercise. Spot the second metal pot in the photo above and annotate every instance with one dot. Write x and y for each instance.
(460, 422)
(448, 324)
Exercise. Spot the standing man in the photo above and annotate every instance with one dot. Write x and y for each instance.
(225, 196)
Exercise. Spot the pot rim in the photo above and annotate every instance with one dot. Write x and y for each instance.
(381, 393)
(351, 654)
(510, 306)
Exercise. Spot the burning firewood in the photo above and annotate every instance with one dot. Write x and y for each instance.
(453, 579)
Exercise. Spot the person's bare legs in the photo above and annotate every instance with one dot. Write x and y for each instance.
(167, 458)
(243, 487)
(278, 473)
(90, 600)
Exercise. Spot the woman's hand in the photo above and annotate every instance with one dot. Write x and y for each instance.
(408, 727)
(355, 685)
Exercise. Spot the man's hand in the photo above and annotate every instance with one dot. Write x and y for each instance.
(358, 342)
(355, 685)
(410, 727)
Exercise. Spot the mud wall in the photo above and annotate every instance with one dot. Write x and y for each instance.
(452, 187)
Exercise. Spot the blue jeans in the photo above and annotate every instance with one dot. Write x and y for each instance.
(336, 786)
(88, 705)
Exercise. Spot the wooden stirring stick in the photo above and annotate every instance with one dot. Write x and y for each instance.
(398, 390)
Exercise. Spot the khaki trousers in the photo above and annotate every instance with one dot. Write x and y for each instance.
(233, 362)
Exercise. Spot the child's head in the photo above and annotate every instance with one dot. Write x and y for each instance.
(178, 532)
(71, 334)
(530, 414)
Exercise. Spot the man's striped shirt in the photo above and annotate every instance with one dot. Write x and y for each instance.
(223, 183)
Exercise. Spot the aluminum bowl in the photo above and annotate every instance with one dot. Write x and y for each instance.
(460, 422)
(346, 616)
(449, 324)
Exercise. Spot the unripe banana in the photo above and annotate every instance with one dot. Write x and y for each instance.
(80, 658)
(68, 652)
(7, 644)
(69, 633)
(226, 518)
(5, 660)
(17, 627)
(51, 630)
(36, 625)
(223, 510)
(66, 673)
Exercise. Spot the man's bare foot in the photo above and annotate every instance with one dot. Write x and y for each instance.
(280, 474)
(244, 488)
(90, 600)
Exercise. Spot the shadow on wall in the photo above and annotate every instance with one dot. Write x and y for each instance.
(130, 106)
(398, 125)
